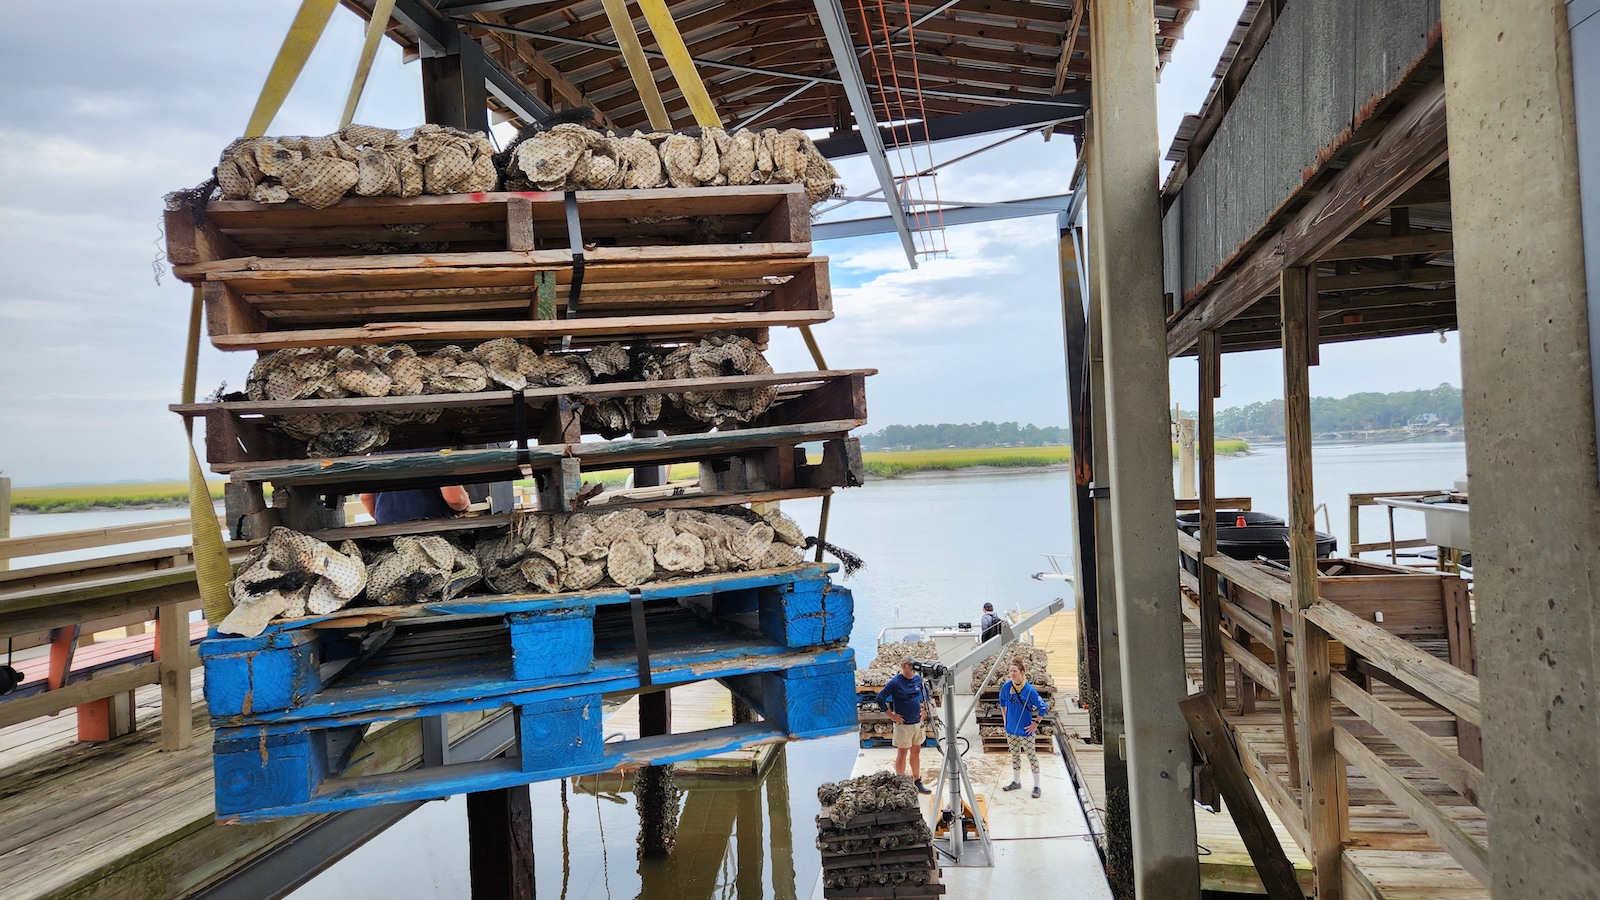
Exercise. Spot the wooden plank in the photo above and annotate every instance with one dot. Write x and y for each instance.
(1280, 659)
(1252, 578)
(504, 398)
(1241, 503)
(78, 692)
(1424, 242)
(1434, 678)
(1411, 147)
(175, 663)
(1215, 743)
(1466, 778)
(1468, 851)
(581, 329)
(1321, 797)
(61, 542)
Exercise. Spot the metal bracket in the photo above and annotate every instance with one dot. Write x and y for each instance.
(1096, 492)
(575, 241)
(641, 635)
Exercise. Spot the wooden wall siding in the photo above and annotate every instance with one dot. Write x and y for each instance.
(1325, 69)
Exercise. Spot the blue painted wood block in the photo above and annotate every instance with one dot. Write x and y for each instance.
(548, 644)
(561, 737)
(807, 701)
(261, 674)
(260, 771)
(807, 613)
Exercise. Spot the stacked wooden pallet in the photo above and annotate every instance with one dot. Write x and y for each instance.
(559, 273)
(991, 718)
(881, 854)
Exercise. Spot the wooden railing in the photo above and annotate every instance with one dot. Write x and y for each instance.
(1358, 501)
(1328, 747)
(61, 606)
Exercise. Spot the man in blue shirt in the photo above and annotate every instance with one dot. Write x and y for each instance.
(1024, 708)
(906, 693)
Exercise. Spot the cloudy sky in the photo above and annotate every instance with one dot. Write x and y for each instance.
(93, 135)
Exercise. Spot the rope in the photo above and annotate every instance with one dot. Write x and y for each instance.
(304, 32)
(212, 569)
(369, 50)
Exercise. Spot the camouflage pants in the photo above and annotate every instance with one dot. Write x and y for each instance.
(1018, 744)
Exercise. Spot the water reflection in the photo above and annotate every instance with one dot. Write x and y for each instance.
(737, 835)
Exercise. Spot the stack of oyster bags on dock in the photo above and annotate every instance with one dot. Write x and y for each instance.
(991, 718)
(874, 840)
(424, 314)
(876, 728)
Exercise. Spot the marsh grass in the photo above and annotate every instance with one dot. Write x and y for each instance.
(83, 497)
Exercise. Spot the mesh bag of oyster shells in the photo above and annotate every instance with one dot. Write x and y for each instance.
(396, 370)
(881, 791)
(289, 575)
(886, 664)
(551, 553)
(1034, 658)
(570, 157)
(357, 160)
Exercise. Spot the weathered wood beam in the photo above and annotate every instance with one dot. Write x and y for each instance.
(1412, 242)
(1409, 148)
(1073, 27)
(1385, 278)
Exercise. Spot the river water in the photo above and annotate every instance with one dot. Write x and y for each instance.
(936, 547)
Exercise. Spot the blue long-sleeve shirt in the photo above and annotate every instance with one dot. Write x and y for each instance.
(906, 695)
(1020, 705)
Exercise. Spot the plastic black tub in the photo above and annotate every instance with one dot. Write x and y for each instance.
(1271, 541)
(1227, 518)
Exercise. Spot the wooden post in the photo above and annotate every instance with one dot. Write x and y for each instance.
(5, 516)
(783, 877)
(1212, 659)
(500, 844)
(1186, 459)
(1134, 333)
(175, 658)
(654, 788)
(1321, 768)
(748, 847)
(1244, 805)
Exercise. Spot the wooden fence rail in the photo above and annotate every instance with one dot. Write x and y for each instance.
(1407, 665)
(61, 606)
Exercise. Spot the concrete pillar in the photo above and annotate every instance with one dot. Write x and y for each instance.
(500, 844)
(1530, 419)
(1128, 255)
(654, 788)
(1119, 834)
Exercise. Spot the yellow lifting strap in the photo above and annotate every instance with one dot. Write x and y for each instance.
(670, 41)
(638, 66)
(212, 568)
(369, 50)
(304, 32)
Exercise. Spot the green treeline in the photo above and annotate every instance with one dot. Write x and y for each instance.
(969, 436)
(1357, 412)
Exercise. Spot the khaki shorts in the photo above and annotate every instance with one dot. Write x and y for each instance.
(908, 735)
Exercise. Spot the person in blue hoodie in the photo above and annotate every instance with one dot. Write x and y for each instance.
(1024, 708)
(906, 693)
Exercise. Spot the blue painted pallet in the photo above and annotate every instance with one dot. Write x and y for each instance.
(525, 643)
(288, 769)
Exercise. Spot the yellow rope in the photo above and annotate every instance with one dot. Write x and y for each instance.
(304, 31)
(638, 66)
(212, 569)
(678, 59)
(369, 50)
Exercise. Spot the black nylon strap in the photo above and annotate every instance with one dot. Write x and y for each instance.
(519, 426)
(641, 636)
(575, 241)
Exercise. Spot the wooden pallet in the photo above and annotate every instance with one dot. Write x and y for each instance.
(553, 665)
(489, 221)
(540, 639)
(247, 431)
